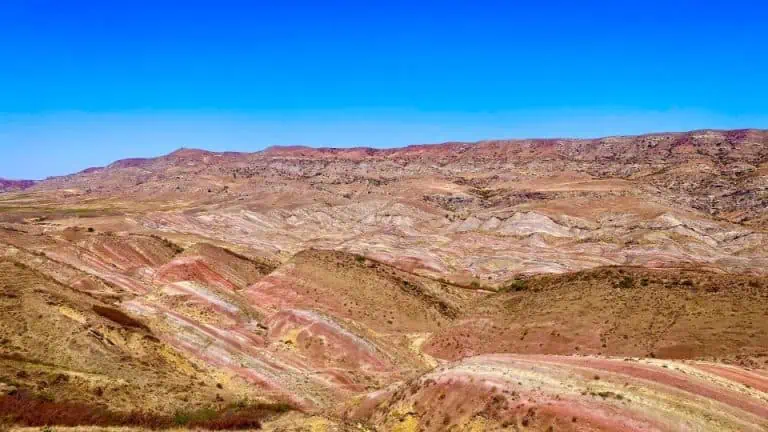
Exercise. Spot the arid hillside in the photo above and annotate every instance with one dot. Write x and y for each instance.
(607, 284)
(15, 185)
(618, 312)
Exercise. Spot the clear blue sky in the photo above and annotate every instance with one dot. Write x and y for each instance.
(83, 83)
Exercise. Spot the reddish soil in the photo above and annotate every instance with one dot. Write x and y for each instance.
(192, 269)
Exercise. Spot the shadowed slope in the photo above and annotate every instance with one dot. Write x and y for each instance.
(618, 311)
(345, 285)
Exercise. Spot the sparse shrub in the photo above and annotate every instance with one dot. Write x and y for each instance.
(183, 418)
(626, 282)
(515, 285)
(359, 259)
(25, 410)
(169, 244)
(22, 409)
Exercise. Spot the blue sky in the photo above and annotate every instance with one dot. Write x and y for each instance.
(83, 83)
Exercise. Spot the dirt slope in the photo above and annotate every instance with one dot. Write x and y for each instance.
(682, 314)
(545, 393)
(66, 345)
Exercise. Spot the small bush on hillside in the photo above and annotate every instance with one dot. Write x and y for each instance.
(183, 418)
(169, 244)
(515, 285)
(626, 282)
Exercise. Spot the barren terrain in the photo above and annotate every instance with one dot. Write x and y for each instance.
(609, 284)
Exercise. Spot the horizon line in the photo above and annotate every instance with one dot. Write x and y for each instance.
(383, 149)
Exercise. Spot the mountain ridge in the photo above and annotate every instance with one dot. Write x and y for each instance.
(362, 151)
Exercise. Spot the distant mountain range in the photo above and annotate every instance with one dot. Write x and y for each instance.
(15, 185)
